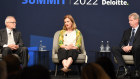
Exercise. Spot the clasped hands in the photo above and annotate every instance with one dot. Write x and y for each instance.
(127, 49)
(13, 46)
(71, 46)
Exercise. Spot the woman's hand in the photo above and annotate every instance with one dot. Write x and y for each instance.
(71, 46)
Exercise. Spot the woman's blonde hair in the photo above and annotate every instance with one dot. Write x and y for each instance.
(72, 20)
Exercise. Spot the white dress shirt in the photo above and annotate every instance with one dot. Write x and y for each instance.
(9, 32)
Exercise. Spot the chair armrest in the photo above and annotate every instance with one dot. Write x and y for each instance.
(86, 59)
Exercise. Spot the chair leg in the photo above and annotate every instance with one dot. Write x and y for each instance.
(79, 68)
(118, 71)
(66, 74)
(56, 69)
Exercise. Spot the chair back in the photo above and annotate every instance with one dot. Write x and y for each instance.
(56, 43)
(128, 59)
(56, 47)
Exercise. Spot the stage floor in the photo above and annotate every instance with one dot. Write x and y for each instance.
(75, 75)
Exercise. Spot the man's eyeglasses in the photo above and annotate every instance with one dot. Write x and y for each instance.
(11, 22)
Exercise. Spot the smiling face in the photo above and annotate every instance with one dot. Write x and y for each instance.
(68, 23)
(10, 22)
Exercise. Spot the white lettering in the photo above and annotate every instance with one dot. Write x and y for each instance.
(114, 2)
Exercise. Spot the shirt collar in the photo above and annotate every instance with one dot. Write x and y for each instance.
(136, 28)
(9, 30)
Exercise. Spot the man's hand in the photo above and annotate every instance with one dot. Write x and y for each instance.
(16, 47)
(127, 48)
(13, 47)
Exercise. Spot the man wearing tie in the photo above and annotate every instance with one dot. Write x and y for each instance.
(130, 45)
(11, 42)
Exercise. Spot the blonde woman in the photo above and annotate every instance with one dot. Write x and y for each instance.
(69, 42)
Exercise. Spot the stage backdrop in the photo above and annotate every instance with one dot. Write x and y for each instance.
(98, 20)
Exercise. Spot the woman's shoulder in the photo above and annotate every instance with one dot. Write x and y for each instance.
(77, 30)
(62, 31)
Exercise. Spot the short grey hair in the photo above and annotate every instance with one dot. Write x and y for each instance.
(8, 18)
(135, 15)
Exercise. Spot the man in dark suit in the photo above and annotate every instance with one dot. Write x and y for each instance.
(11, 41)
(130, 44)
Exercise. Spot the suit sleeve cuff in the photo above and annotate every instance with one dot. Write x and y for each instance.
(5, 45)
(122, 46)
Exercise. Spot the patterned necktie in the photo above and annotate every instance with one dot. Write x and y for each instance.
(132, 37)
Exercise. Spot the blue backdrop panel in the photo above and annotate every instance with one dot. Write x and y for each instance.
(31, 55)
(35, 42)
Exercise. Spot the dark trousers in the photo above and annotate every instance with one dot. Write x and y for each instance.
(65, 54)
(118, 52)
(22, 52)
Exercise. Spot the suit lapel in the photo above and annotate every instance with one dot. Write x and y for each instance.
(14, 34)
(137, 34)
(5, 36)
(129, 34)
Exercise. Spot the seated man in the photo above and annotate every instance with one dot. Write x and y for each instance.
(130, 44)
(11, 42)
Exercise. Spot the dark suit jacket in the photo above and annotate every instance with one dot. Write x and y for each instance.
(4, 38)
(126, 38)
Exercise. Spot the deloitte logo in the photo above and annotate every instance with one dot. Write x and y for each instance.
(115, 2)
(43, 2)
